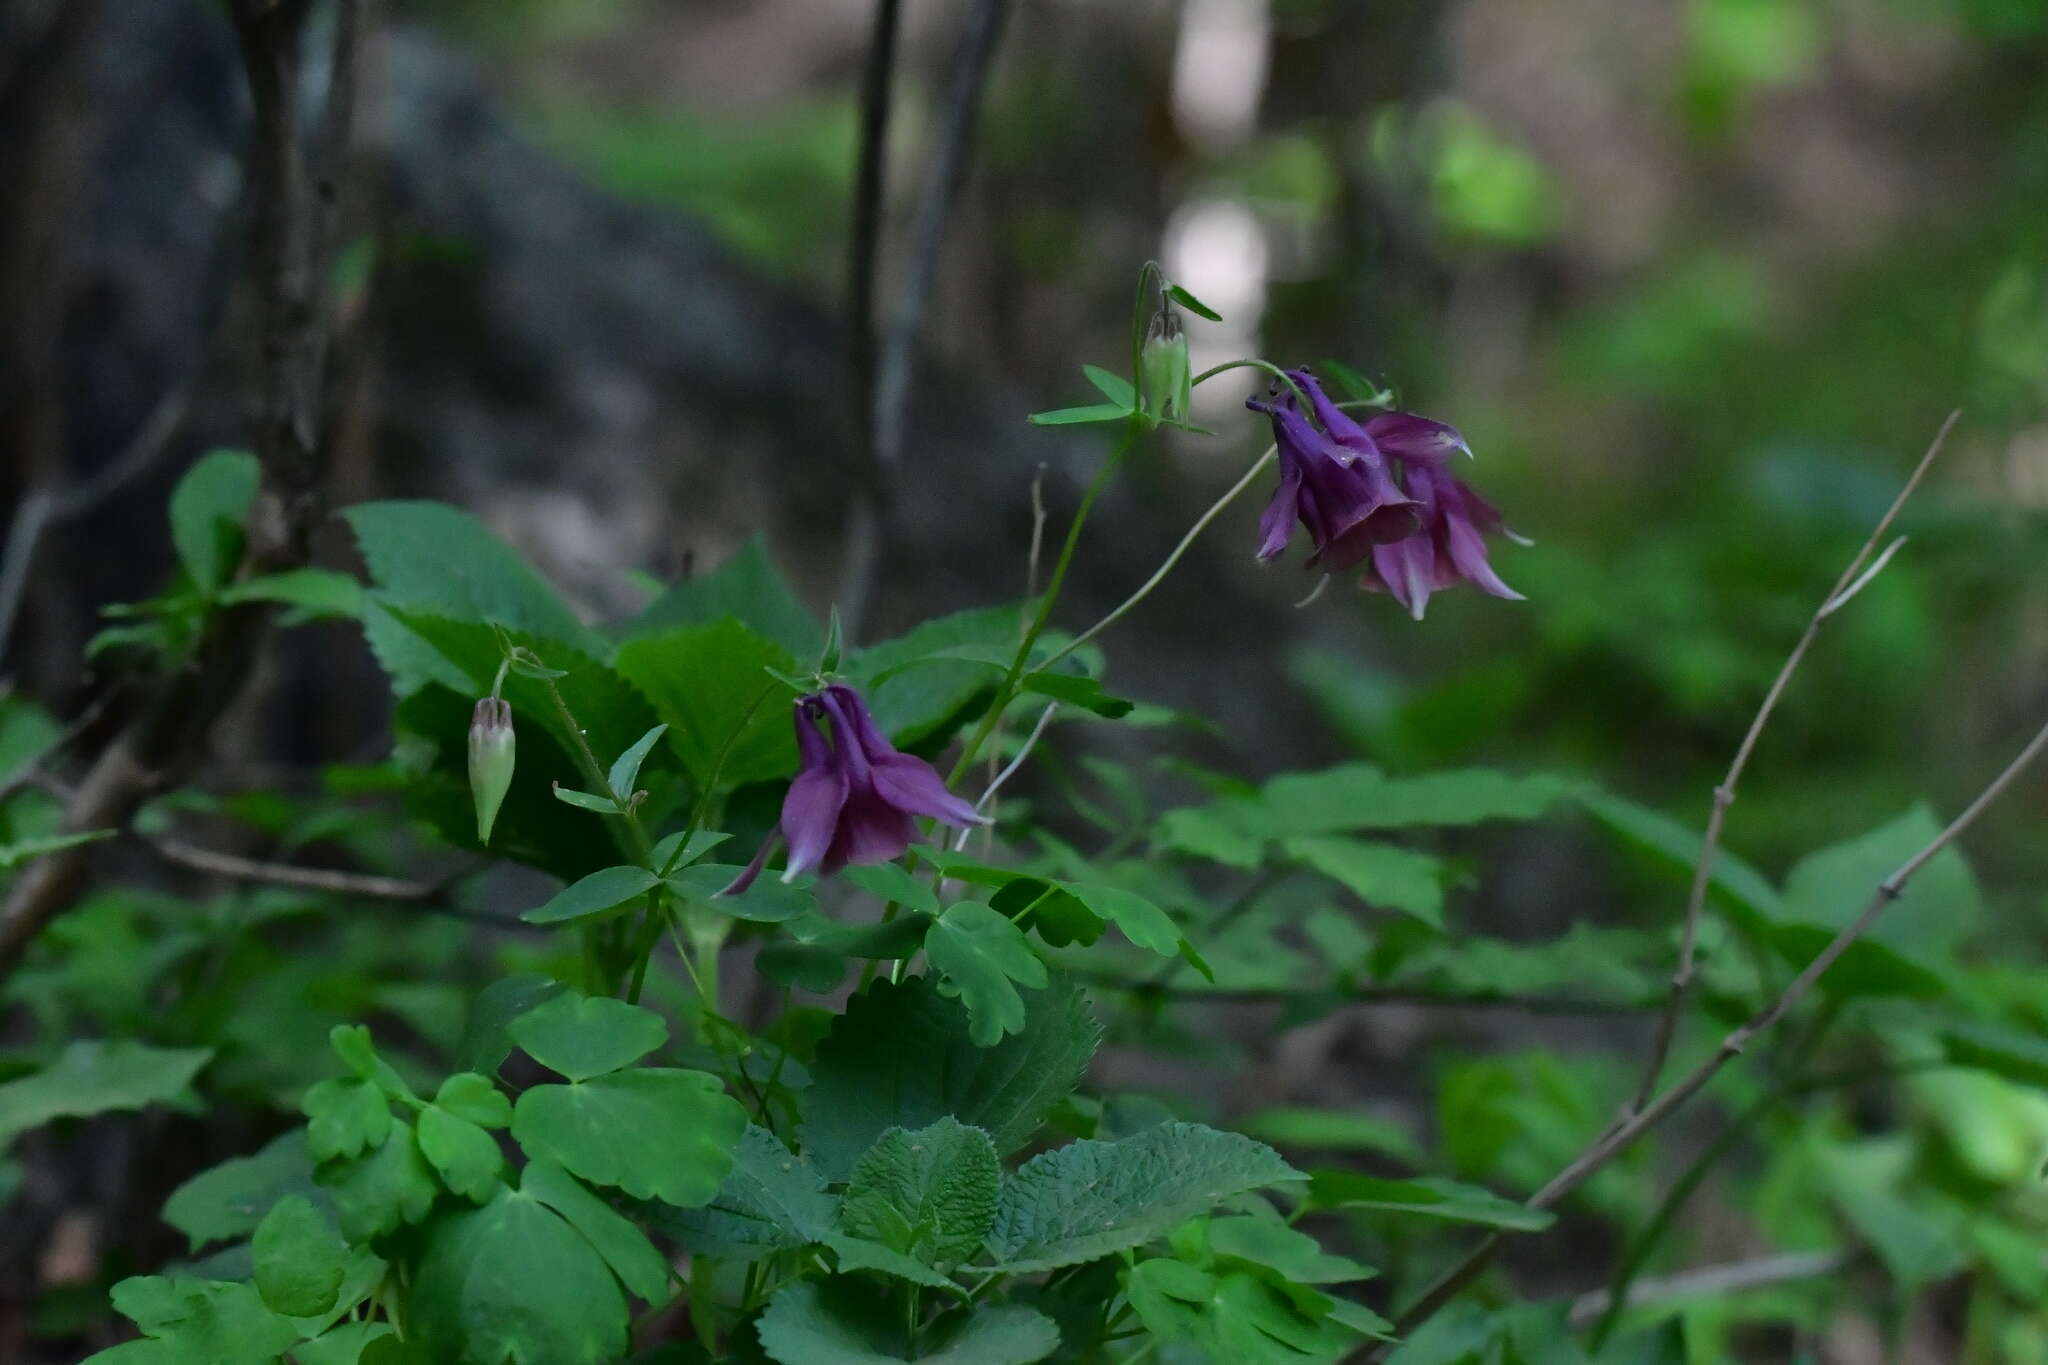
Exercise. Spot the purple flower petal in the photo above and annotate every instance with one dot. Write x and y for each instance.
(1406, 436)
(870, 831)
(1351, 439)
(913, 785)
(1466, 546)
(1276, 523)
(811, 809)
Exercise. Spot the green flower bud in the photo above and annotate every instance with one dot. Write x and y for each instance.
(491, 760)
(1164, 375)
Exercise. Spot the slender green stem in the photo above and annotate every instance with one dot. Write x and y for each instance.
(650, 937)
(1252, 363)
(1150, 276)
(1167, 566)
(594, 774)
(1006, 692)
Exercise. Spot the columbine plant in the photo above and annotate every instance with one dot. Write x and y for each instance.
(914, 1174)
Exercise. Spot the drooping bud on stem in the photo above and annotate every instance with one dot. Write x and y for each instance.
(492, 757)
(1164, 375)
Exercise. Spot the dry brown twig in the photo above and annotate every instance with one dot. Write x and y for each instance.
(364, 884)
(293, 206)
(1665, 1102)
(1853, 580)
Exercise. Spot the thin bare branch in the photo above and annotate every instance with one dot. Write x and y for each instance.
(866, 508)
(981, 32)
(996, 783)
(1359, 995)
(286, 874)
(1847, 586)
(1622, 1135)
(40, 510)
(1709, 1281)
(292, 207)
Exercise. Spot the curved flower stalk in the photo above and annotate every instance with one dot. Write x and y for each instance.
(1377, 493)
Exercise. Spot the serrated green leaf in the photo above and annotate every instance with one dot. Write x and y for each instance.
(841, 1321)
(584, 1036)
(485, 1040)
(1232, 1316)
(342, 1344)
(1203, 833)
(346, 1115)
(1295, 1256)
(1335, 1130)
(1734, 883)
(860, 1253)
(95, 1078)
(707, 683)
(770, 900)
(197, 1320)
(512, 1283)
(209, 509)
(428, 557)
(749, 588)
(1379, 874)
(1142, 922)
(1918, 932)
(299, 1260)
(626, 770)
(377, 1193)
(1091, 1198)
(469, 1096)
(899, 1057)
(912, 704)
(891, 883)
(634, 1259)
(466, 1156)
(1067, 417)
(1358, 796)
(1428, 1196)
(654, 1132)
(465, 656)
(978, 954)
(897, 938)
(351, 1043)
(600, 893)
(801, 967)
(230, 1199)
(928, 1193)
(771, 1201)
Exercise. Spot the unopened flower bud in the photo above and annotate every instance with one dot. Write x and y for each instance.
(1163, 370)
(491, 760)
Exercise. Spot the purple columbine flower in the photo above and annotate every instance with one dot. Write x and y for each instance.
(1450, 547)
(1399, 436)
(855, 797)
(1378, 493)
(1343, 494)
